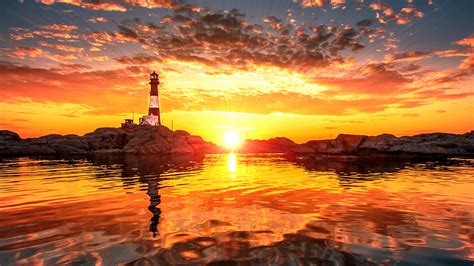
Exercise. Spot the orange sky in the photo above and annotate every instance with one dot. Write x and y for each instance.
(304, 70)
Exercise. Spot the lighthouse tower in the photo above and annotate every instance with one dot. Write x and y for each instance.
(153, 118)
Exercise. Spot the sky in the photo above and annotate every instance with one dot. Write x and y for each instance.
(303, 69)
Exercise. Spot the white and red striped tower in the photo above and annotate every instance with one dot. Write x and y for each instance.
(153, 118)
(154, 108)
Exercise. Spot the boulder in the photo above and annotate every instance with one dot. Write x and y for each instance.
(22, 149)
(147, 141)
(75, 143)
(64, 149)
(165, 132)
(180, 145)
(379, 143)
(180, 133)
(425, 144)
(349, 143)
(328, 146)
(300, 149)
(273, 145)
(6, 135)
(106, 138)
(201, 146)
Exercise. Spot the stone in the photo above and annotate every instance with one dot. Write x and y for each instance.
(180, 145)
(381, 142)
(273, 145)
(300, 149)
(349, 143)
(6, 135)
(75, 143)
(328, 146)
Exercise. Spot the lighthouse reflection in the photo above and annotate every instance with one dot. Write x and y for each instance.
(155, 200)
(149, 170)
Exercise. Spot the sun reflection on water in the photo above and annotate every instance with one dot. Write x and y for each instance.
(232, 164)
(202, 213)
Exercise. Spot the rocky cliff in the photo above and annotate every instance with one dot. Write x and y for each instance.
(139, 140)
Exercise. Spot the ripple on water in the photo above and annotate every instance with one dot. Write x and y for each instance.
(228, 209)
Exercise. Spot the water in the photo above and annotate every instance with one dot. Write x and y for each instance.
(235, 209)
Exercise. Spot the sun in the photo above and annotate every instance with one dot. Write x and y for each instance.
(232, 140)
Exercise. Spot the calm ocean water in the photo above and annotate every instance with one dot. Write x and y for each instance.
(235, 209)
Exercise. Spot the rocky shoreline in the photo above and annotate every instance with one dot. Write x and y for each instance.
(386, 145)
(162, 141)
(140, 140)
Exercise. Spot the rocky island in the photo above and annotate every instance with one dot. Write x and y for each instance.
(139, 140)
(163, 141)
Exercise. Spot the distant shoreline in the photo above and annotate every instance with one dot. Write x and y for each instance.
(160, 140)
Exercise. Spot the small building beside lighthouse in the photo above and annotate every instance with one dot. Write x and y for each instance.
(153, 118)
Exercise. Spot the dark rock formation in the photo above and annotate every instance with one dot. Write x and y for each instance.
(359, 145)
(6, 135)
(139, 140)
(161, 140)
(273, 145)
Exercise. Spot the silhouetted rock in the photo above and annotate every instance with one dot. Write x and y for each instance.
(273, 145)
(139, 140)
(424, 144)
(161, 140)
(381, 142)
(6, 135)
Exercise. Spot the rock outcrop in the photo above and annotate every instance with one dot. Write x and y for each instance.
(161, 140)
(139, 140)
(386, 144)
(273, 145)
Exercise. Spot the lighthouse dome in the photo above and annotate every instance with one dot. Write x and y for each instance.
(154, 75)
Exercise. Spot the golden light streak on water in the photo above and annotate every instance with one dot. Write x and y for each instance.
(234, 207)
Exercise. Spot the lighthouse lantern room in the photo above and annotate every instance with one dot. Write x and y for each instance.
(153, 118)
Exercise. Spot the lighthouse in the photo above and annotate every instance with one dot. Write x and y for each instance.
(153, 118)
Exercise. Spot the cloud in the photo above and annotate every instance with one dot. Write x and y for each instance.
(420, 55)
(371, 79)
(386, 13)
(321, 3)
(106, 5)
(73, 67)
(59, 27)
(408, 56)
(469, 41)
(227, 38)
(18, 34)
(251, 101)
(105, 92)
(153, 3)
(97, 19)
(113, 5)
(138, 59)
(22, 52)
(383, 14)
(467, 63)
(61, 47)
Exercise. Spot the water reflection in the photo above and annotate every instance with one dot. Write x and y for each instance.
(149, 169)
(102, 210)
(155, 200)
(232, 164)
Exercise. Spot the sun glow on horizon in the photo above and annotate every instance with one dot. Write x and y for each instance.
(232, 140)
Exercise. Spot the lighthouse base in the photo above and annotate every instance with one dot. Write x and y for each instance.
(151, 120)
